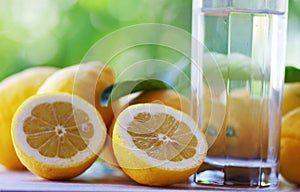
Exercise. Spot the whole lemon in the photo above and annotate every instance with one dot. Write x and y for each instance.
(165, 96)
(85, 80)
(291, 97)
(227, 127)
(13, 91)
(289, 147)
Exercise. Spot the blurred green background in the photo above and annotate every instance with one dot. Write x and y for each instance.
(60, 32)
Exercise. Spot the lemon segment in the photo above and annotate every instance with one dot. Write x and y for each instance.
(57, 136)
(157, 145)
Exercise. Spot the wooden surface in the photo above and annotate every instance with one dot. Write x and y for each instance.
(97, 178)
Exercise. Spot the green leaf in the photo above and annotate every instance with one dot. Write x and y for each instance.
(116, 91)
(292, 74)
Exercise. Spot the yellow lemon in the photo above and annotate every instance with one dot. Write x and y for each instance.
(157, 145)
(227, 127)
(57, 136)
(289, 147)
(13, 91)
(291, 97)
(84, 80)
(165, 96)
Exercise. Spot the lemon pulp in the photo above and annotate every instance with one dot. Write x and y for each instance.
(165, 137)
(58, 132)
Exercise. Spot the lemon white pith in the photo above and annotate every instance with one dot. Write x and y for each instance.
(57, 136)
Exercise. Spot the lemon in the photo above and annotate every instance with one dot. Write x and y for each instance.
(291, 97)
(289, 147)
(84, 80)
(228, 128)
(164, 96)
(13, 91)
(157, 145)
(57, 136)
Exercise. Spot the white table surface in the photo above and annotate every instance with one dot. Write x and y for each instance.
(97, 178)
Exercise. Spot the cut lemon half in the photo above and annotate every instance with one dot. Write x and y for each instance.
(164, 96)
(158, 145)
(57, 136)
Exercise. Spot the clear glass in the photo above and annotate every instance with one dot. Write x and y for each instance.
(237, 83)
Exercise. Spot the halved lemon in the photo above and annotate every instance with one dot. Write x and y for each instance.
(165, 96)
(57, 136)
(158, 145)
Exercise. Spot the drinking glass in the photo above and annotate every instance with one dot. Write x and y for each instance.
(237, 82)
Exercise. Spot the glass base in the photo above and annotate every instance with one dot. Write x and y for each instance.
(264, 176)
